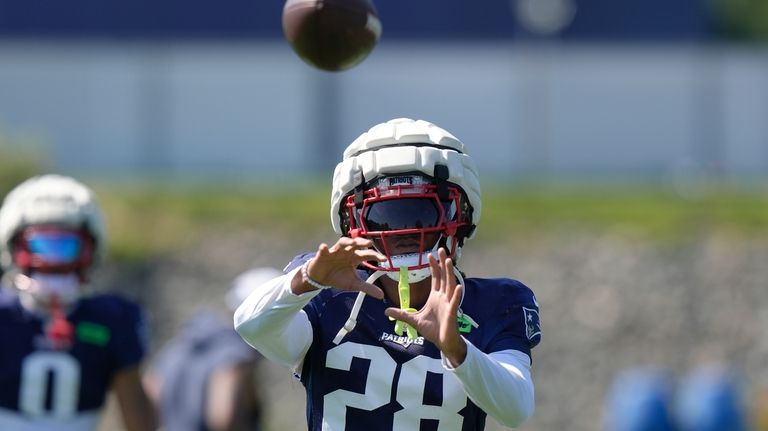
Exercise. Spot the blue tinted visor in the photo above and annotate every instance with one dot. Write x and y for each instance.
(55, 247)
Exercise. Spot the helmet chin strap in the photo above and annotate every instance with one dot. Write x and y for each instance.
(349, 325)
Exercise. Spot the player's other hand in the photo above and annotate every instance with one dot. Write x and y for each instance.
(436, 320)
(336, 266)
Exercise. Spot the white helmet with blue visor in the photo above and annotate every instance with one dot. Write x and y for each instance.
(51, 224)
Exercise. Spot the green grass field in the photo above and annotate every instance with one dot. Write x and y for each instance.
(152, 218)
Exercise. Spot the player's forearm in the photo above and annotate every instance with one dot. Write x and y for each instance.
(137, 410)
(271, 321)
(499, 383)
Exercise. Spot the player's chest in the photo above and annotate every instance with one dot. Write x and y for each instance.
(385, 378)
(28, 353)
(385, 391)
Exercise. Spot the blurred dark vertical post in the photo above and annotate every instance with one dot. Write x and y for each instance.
(536, 113)
(324, 117)
(708, 146)
(155, 110)
(764, 92)
(539, 24)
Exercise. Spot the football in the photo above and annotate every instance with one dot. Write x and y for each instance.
(332, 35)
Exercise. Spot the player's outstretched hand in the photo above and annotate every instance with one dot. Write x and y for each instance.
(336, 265)
(436, 320)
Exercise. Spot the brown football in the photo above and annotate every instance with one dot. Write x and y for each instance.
(332, 35)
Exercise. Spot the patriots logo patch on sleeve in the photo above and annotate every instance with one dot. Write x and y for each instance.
(532, 325)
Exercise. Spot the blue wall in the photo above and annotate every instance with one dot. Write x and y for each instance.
(593, 20)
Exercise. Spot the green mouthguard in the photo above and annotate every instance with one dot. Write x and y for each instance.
(404, 291)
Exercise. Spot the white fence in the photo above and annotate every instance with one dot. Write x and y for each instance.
(254, 109)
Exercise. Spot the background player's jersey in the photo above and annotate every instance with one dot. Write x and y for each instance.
(375, 379)
(205, 344)
(43, 388)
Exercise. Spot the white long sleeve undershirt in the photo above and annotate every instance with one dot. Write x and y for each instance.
(272, 321)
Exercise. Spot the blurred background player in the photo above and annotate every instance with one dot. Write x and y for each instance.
(204, 378)
(405, 198)
(63, 350)
(641, 399)
(710, 398)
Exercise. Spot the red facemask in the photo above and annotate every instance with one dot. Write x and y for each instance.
(406, 216)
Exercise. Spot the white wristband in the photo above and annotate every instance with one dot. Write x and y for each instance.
(307, 279)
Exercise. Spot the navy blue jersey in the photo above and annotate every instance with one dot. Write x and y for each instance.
(38, 381)
(375, 379)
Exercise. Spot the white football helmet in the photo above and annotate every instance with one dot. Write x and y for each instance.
(51, 224)
(410, 187)
(247, 282)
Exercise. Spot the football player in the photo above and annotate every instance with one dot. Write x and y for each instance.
(205, 378)
(381, 327)
(63, 350)
(641, 399)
